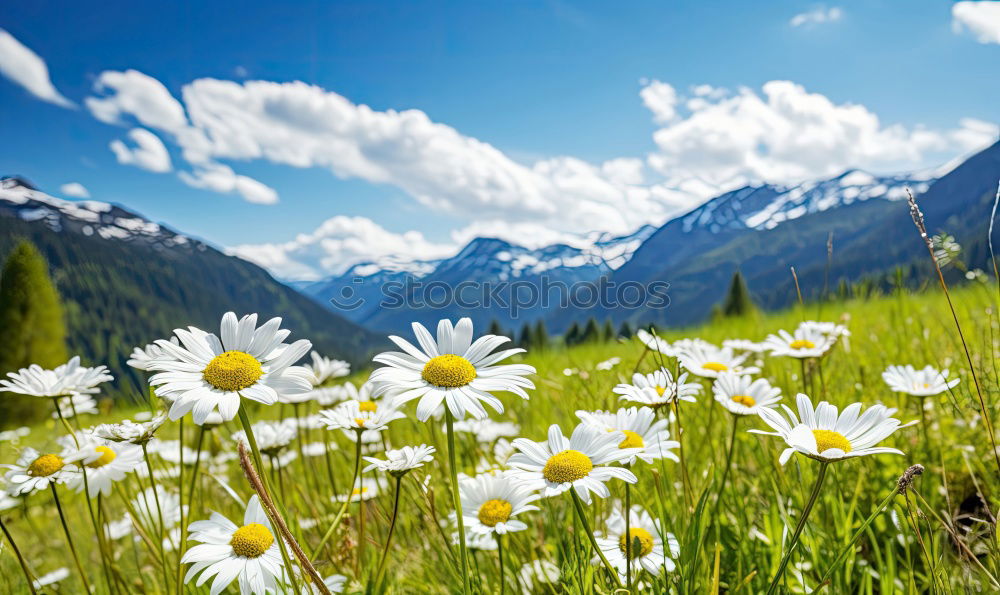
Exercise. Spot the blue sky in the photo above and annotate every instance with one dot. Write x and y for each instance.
(535, 118)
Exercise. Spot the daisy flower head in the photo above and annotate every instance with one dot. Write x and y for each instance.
(607, 364)
(145, 506)
(744, 345)
(106, 462)
(271, 436)
(741, 394)
(324, 370)
(143, 356)
(484, 542)
(401, 461)
(248, 553)
(36, 471)
(361, 416)
(645, 435)
(657, 389)
(540, 572)
(73, 405)
(654, 342)
(646, 548)
(830, 329)
(365, 489)
(452, 370)
(66, 380)
(581, 462)
(206, 372)
(824, 434)
(805, 342)
(708, 361)
(490, 501)
(925, 382)
(129, 431)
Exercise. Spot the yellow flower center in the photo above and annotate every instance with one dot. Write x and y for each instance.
(448, 371)
(107, 455)
(45, 465)
(367, 406)
(233, 371)
(827, 439)
(569, 465)
(359, 491)
(745, 400)
(715, 366)
(494, 511)
(251, 541)
(632, 440)
(642, 542)
(660, 390)
(802, 344)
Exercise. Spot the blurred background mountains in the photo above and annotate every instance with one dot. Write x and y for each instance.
(123, 280)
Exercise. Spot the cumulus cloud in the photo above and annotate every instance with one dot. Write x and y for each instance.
(659, 98)
(982, 19)
(147, 153)
(24, 67)
(74, 190)
(337, 244)
(222, 179)
(817, 16)
(786, 134)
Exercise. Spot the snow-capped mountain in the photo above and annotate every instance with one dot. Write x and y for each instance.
(87, 217)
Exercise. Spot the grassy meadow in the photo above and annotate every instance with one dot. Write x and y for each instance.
(732, 532)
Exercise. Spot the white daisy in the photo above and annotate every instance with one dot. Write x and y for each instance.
(144, 504)
(490, 501)
(451, 370)
(926, 382)
(643, 433)
(654, 342)
(74, 405)
(14, 436)
(740, 394)
(35, 471)
(271, 436)
(557, 465)
(541, 572)
(830, 329)
(68, 379)
(106, 463)
(142, 357)
(608, 364)
(51, 578)
(129, 431)
(707, 360)
(249, 554)
(483, 542)
(824, 435)
(643, 531)
(368, 416)
(744, 345)
(487, 431)
(366, 489)
(657, 389)
(805, 342)
(324, 369)
(398, 462)
(208, 372)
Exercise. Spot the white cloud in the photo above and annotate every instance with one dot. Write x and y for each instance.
(982, 19)
(24, 67)
(787, 134)
(659, 98)
(75, 190)
(148, 152)
(337, 244)
(222, 179)
(817, 16)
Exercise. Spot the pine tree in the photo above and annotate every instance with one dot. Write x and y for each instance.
(608, 334)
(738, 301)
(32, 329)
(526, 338)
(541, 337)
(572, 336)
(591, 332)
(495, 328)
(625, 330)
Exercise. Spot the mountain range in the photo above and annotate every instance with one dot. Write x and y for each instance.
(126, 281)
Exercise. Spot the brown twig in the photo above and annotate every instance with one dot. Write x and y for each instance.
(272, 511)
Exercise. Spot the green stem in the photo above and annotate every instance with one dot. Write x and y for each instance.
(190, 502)
(361, 520)
(798, 528)
(20, 558)
(593, 541)
(457, 499)
(248, 430)
(347, 500)
(69, 539)
(500, 556)
(628, 536)
(392, 529)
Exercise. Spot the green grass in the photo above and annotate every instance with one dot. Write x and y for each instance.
(732, 543)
